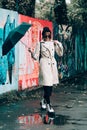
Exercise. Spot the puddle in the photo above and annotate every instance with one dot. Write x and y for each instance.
(30, 119)
(38, 119)
(60, 120)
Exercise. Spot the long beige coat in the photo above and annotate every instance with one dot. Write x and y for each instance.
(48, 73)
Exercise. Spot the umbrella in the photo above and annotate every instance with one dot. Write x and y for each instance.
(14, 36)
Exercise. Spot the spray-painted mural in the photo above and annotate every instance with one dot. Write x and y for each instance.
(8, 74)
(74, 41)
(66, 64)
(28, 68)
(17, 69)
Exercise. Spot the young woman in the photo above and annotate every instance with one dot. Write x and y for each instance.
(48, 72)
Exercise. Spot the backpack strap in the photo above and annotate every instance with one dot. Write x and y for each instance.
(40, 52)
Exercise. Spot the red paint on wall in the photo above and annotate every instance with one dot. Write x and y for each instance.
(28, 68)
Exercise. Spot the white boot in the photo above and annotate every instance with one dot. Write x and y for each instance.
(50, 109)
(43, 104)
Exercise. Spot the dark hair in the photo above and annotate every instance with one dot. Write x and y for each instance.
(45, 29)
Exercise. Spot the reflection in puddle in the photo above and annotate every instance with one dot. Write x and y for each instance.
(30, 119)
(37, 118)
(58, 120)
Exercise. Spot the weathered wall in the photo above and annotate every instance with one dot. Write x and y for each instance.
(8, 63)
(17, 69)
(74, 41)
(28, 68)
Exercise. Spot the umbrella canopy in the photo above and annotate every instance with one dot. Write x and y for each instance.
(14, 36)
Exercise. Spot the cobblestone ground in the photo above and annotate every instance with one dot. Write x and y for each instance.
(69, 100)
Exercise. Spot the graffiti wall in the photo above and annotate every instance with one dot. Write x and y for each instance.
(28, 68)
(18, 70)
(8, 64)
(67, 64)
(74, 42)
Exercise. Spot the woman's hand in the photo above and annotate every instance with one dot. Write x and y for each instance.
(59, 47)
(56, 42)
(29, 49)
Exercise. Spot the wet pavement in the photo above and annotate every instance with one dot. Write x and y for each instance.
(69, 101)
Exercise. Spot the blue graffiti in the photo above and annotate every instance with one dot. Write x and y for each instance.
(7, 61)
(3, 69)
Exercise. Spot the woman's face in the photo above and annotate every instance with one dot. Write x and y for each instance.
(47, 36)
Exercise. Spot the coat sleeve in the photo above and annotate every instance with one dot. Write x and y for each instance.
(36, 53)
(58, 48)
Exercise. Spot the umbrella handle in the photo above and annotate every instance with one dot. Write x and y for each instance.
(29, 49)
